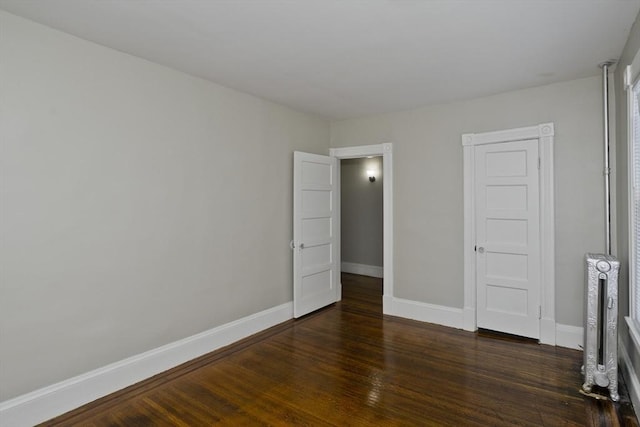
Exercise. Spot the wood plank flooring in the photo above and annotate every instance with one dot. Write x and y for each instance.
(350, 365)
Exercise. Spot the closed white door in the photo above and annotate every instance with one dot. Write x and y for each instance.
(507, 237)
(315, 272)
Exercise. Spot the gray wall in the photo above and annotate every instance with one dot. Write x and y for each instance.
(428, 175)
(622, 187)
(361, 211)
(140, 205)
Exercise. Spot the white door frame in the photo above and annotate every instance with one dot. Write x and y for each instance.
(386, 151)
(544, 133)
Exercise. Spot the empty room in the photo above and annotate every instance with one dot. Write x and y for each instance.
(319, 212)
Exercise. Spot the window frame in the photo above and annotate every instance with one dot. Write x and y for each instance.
(632, 84)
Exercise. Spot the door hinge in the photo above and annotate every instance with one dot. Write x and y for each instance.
(539, 161)
(539, 312)
(475, 248)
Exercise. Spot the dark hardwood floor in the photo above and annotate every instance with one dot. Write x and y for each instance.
(350, 365)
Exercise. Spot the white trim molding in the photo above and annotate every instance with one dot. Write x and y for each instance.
(431, 313)
(544, 133)
(566, 335)
(633, 332)
(57, 399)
(569, 336)
(386, 151)
(631, 377)
(632, 76)
(362, 269)
(517, 134)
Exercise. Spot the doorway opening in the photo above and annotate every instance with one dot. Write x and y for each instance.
(361, 234)
(384, 152)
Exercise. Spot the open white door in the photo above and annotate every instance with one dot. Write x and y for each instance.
(315, 267)
(508, 237)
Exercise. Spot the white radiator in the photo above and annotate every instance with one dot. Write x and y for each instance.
(601, 329)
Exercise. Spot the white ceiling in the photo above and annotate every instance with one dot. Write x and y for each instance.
(349, 58)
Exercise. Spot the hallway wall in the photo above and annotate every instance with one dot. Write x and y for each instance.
(361, 212)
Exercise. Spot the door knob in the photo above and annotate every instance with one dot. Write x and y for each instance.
(481, 250)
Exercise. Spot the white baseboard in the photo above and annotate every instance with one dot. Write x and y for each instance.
(569, 336)
(469, 319)
(387, 305)
(438, 314)
(630, 377)
(362, 269)
(551, 333)
(48, 402)
(548, 331)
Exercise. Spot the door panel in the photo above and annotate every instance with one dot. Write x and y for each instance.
(507, 237)
(507, 299)
(502, 197)
(316, 228)
(315, 273)
(506, 231)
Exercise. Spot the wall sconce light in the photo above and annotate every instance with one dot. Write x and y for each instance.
(371, 174)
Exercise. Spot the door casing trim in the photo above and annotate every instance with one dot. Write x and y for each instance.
(386, 151)
(544, 133)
